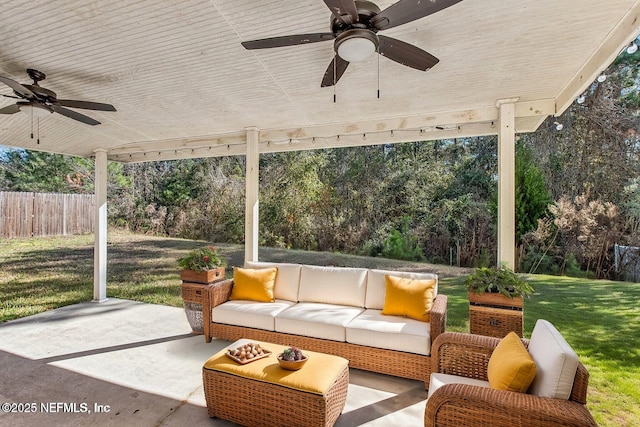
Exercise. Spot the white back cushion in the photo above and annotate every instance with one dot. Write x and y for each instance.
(287, 279)
(333, 285)
(376, 285)
(556, 362)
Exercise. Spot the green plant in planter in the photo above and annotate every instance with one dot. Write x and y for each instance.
(203, 259)
(500, 280)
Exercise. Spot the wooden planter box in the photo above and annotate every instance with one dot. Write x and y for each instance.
(193, 283)
(495, 315)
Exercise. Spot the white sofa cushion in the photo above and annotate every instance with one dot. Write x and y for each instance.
(373, 329)
(250, 314)
(317, 320)
(376, 285)
(287, 279)
(333, 285)
(556, 362)
(437, 380)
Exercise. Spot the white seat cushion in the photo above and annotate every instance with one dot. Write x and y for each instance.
(376, 285)
(556, 362)
(437, 380)
(287, 279)
(371, 328)
(250, 314)
(317, 320)
(333, 285)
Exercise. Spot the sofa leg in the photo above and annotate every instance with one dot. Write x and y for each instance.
(207, 338)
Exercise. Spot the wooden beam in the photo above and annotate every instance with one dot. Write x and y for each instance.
(252, 177)
(506, 184)
(100, 231)
(456, 124)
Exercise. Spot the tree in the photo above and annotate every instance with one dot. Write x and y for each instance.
(532, 196)
(36, 171)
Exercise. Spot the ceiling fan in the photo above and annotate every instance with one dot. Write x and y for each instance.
(354, 28)
(41, 102)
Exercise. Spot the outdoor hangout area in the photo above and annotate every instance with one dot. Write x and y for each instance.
(373, 284)
(138, 354)
(125, 362)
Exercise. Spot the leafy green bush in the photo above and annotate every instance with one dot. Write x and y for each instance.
(498, 280)
(203, 259)
(399, 244)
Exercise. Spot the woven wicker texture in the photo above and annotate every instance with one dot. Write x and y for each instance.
(193, 292)
(464, 405)
(193, 311)
(390, 362)
(254, 403)
(494, 322)
(192, 298)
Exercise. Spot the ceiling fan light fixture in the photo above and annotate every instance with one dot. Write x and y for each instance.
(356, 45)
(37, 110)
(632, 48)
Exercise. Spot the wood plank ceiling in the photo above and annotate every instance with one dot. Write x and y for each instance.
(185, 87)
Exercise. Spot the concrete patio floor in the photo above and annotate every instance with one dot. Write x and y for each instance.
(130, 363)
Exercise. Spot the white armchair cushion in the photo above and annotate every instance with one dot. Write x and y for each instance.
(376, 285)
(317, 320)
(373, 329)
(556, 362)
(287, 279)
(250, 314)
(333, 285)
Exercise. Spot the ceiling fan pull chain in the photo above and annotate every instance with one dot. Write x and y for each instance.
(378, 48)
(335, 61)
(31, 123)
(38, 129)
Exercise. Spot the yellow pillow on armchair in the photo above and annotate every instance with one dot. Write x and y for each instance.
(253, 284)
(411, 298)
(511, 367)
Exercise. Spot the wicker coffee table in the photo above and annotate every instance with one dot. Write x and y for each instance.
(261, 393)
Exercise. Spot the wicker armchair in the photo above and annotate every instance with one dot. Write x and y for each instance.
(468, 355)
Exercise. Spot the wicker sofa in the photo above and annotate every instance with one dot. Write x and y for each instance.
(460, 394)
(333, 310)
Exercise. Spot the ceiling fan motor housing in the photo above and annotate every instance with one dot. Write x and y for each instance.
(366, 11)
(42, 94)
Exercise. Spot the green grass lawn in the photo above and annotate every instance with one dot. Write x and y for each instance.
(600, 319)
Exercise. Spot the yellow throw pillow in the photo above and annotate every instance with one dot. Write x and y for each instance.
(411, 298)
(511, 367)
(253, 284)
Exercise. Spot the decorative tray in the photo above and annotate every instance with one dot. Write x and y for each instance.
(233, 353)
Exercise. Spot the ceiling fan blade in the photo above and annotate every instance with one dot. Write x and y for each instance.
(338, 65)
(11, 96)
(287, 40)
(408, 10)
(10, 109)
(405, 53)
(344, 10)
(86, 105)
(75, 115)
(17, 87)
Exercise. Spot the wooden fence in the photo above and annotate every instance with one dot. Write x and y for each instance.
(45, 214)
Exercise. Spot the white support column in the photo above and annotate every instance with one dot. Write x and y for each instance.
(506, 183)
(251, 222)
(100, 228)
